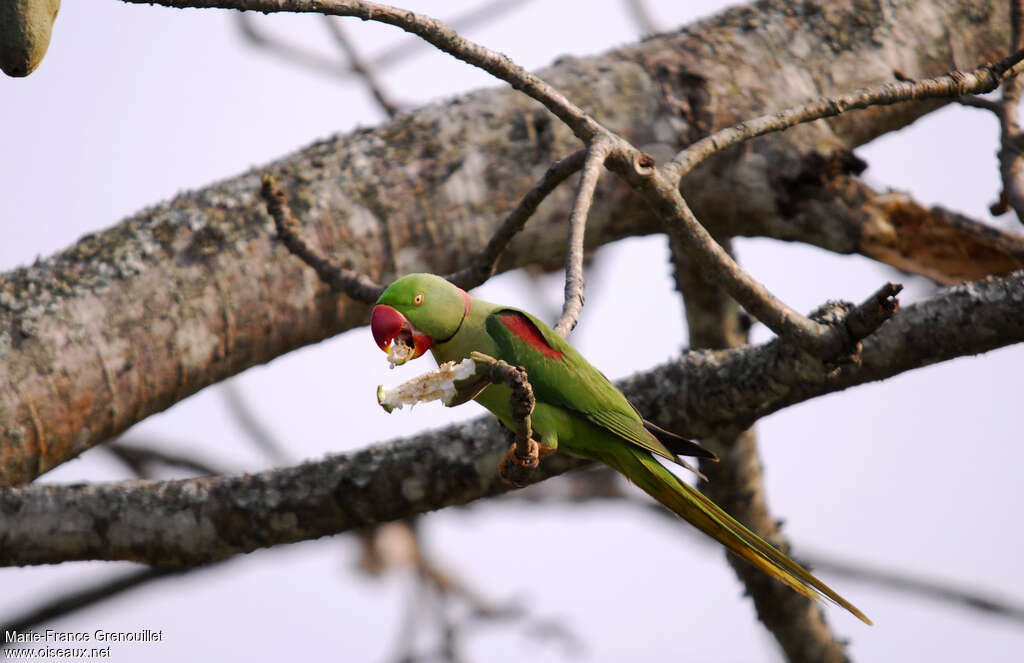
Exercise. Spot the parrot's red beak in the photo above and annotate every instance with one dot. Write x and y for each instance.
(389, 326)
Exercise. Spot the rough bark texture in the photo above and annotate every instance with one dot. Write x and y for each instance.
(708, 393)
(131, 320)
(716, 392)
(194, 521)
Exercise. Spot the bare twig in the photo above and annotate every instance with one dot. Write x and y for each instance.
(873, 311)
(906, 583)
(84, 598)
(1011, 139)
(249, 29)
(974, 101)
(1011, 136)
(430, 30)
(954, 84)
(642, 16)
(834, 342)
(357, 286)
(473, 17)
(361, 67)
(396, 545)
(140, 459)
(485, 262)
(573, 303)
(830, 342)
(404, 49)
(361, 288)
(251, 425)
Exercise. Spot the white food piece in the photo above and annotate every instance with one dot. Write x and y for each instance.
(432, 386)
(398, 354)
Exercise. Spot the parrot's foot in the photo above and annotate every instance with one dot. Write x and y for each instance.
(516, 469)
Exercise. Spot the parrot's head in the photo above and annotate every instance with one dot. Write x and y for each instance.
(417, 311)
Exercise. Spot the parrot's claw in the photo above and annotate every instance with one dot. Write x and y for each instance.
(515, 469)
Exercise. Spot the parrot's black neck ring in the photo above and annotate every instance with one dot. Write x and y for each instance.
(465, 314)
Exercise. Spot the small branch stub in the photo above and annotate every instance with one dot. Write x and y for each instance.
(876, 309)
(849, 324)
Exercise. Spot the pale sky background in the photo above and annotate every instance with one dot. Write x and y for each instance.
(134, 104)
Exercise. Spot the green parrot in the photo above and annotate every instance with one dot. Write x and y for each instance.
(578, 411)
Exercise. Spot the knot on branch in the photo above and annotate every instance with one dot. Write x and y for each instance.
(846, 350)
(999, 69)
(643, 164)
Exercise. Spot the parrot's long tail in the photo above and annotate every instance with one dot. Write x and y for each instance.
(691, 505)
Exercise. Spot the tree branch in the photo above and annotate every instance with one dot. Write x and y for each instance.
(139, 459)
(642, 17)
(87, 597)
(727, 391)
(249, 422)
(907, 583)
(952, 85)
(1011, 134)
(355, 285)
(593, 165)
(360, 67)
(974, 101)
(430, 30)
(835, 342)
(485, 262)
(299, 55)
(193, 521)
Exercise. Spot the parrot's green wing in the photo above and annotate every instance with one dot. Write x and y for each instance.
(560, 376)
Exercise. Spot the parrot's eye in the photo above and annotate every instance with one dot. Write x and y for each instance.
(418, 299)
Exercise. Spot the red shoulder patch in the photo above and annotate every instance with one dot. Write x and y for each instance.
(524, 328)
